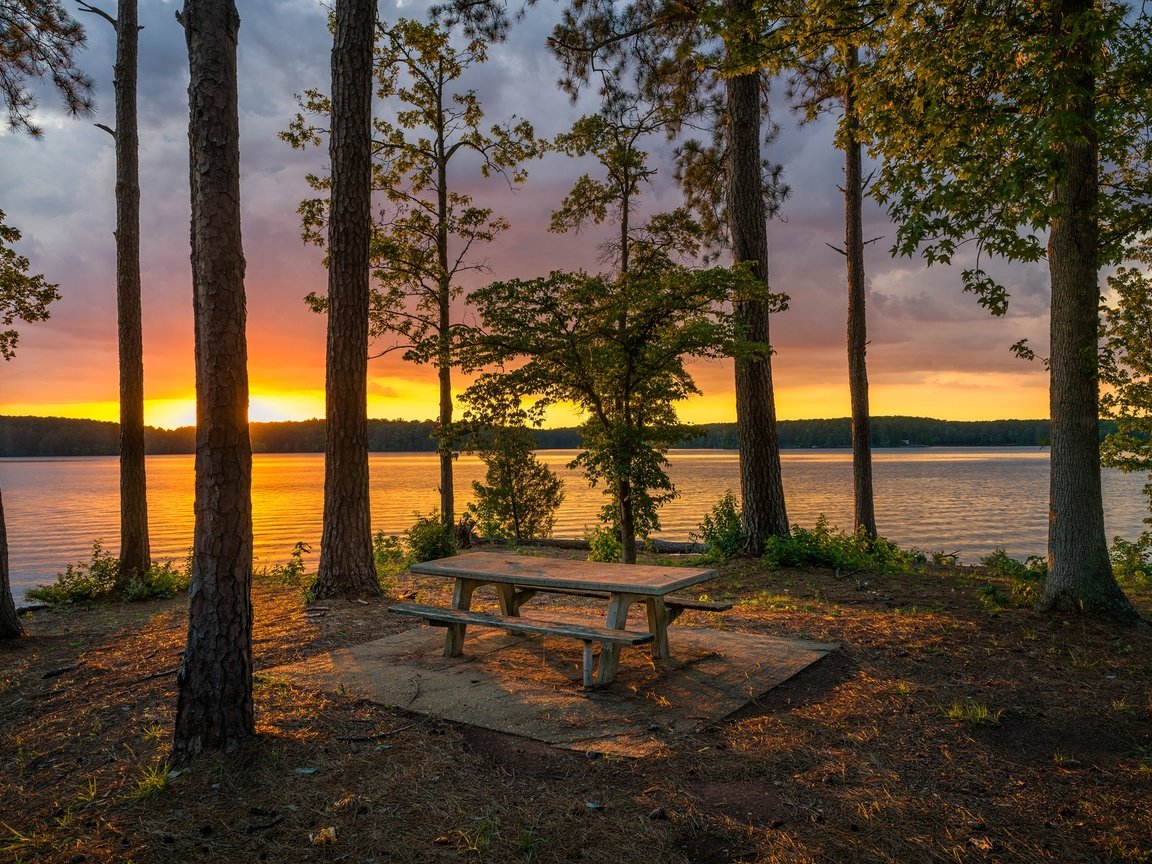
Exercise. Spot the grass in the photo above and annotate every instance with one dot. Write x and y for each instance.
(1032, 736)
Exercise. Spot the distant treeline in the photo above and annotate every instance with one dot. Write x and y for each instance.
(57, 436)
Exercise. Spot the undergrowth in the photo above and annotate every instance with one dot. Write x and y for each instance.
(825, 546)
(100, 579)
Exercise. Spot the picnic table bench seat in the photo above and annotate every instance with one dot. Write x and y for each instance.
(674, 603)
(445, 617)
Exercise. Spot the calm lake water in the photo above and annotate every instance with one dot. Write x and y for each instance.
(955, 500)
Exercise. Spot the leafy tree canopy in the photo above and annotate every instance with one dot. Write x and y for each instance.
(22, 296)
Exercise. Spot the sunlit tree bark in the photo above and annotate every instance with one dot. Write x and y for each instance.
(214, 702)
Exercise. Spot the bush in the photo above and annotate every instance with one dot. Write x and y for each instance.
(825, 546)
(1132, 561)
(388, 553)
(293, 572)
(604, 545)
(721, 530)
(428, 539)
(99, 580)
(520, 495)
(1025, 578)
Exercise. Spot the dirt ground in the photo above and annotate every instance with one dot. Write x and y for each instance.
(939, 731)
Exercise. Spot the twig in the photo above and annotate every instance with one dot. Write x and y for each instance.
(52, 673)
(375, 737)
(155, 675)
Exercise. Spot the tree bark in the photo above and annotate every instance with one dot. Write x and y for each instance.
(627, 522)
(864, 508)
(135, 555)
(444, 301)
(1080, 575)
(214, 702)
(9, 621)
(761, 481)
(346, 565)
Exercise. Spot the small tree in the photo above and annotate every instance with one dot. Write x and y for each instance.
(615, 348)
(22, 297)
(425, 236)
(520, 495)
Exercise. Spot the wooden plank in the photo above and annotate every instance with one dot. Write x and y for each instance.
(564, 573)
(523, 625)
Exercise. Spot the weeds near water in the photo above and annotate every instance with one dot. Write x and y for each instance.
(101, 579)
(973, 713)
(824, 546)
(1025, 578)
(721, 530)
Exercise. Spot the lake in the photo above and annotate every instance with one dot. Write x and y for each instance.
(969, 501)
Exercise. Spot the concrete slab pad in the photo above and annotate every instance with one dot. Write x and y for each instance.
(531, 686)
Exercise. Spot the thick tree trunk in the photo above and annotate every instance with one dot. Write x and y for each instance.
(346, 564)
(214, 702)
(9, 621)
(135, 556)
(761, 482)
(864, 505)
(1079, 571)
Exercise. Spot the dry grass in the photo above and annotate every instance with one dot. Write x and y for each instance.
(856, 759)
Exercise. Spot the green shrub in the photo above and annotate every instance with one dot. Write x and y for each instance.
(1132, 561)
(1025, 578)
(292, 572)
(604, 544)
(721, 530)
(388, 553)
(824, 546)
(428, 539)
(99, 579)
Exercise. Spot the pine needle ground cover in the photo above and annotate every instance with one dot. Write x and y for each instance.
(942, 730)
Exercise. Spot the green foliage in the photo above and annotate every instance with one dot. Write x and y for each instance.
(992, 598)
(825, 546)
(604, 544)
(1026, 578)
(293, 572)
(22, 297)
(1126, 369)
(99, 580)
(428, 539)
(1132, 561)
(38, 40)
(389, 557)
(519, 495)
(721, 530)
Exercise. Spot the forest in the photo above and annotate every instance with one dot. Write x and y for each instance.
(25, 437)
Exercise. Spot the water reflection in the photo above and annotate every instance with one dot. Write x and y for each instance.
(970, 500)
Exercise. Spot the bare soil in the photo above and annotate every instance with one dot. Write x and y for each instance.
(939, 731)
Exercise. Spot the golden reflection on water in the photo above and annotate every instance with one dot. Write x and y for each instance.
(971, 500)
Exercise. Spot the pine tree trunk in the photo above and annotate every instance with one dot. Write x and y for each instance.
(761, 481)
(214, 702)
(864, 504)
(444, 436)
(346, 564)
(1079, 571)
(444, 300)
(9, 621)
(135, 556)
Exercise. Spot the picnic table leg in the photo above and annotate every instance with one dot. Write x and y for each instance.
(658, 625)
(610, 654)
(461, 599)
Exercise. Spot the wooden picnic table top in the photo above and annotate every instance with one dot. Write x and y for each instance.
(506, 568)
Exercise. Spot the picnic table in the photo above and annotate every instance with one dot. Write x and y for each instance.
(517, 579)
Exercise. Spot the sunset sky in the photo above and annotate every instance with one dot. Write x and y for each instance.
(933, 351)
